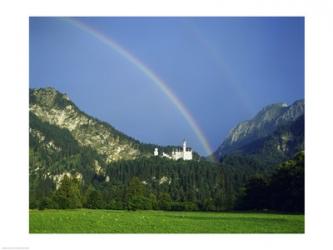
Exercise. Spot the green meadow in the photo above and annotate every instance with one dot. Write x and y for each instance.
(114, 221)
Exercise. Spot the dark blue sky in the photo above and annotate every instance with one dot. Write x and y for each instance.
(224, 70)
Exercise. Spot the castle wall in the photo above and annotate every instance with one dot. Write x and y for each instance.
(187, 155)
(166, 155)
(177, 155)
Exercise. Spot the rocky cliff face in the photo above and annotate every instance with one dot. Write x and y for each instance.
(262, 125)
(55, 108)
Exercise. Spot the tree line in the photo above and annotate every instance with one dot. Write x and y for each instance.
(147, 183)
(282, 191)
(161, 184)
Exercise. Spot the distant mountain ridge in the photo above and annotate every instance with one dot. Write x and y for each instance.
(268, 120)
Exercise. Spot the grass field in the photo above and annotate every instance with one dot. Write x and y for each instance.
(111, 221)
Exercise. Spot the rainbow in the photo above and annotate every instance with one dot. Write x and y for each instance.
(148, 73)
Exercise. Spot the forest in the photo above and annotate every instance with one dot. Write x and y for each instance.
(162, 184)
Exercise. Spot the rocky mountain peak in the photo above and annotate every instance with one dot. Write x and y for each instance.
(263, 124)
(49, 97)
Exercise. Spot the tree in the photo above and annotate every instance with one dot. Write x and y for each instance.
(287, 186)
(256, 195)
(47, 202)
(135, 187)
(135, 195)
(153, 201)
(164, 201)
(68, 195)
(208, 204)
(139, 202)
(219, 200)
(282, 191)
(95, 200)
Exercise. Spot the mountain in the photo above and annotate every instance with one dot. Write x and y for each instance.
(264, 124)
(65, 140)
(286, 139)
(54, 108)
(53, 154)
(266, 152)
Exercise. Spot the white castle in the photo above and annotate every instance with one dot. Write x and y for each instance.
(178, 153)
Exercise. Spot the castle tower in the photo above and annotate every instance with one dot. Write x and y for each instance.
(184, 146)
(156, 152)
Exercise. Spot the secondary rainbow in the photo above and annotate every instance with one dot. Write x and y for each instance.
(149, 73)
